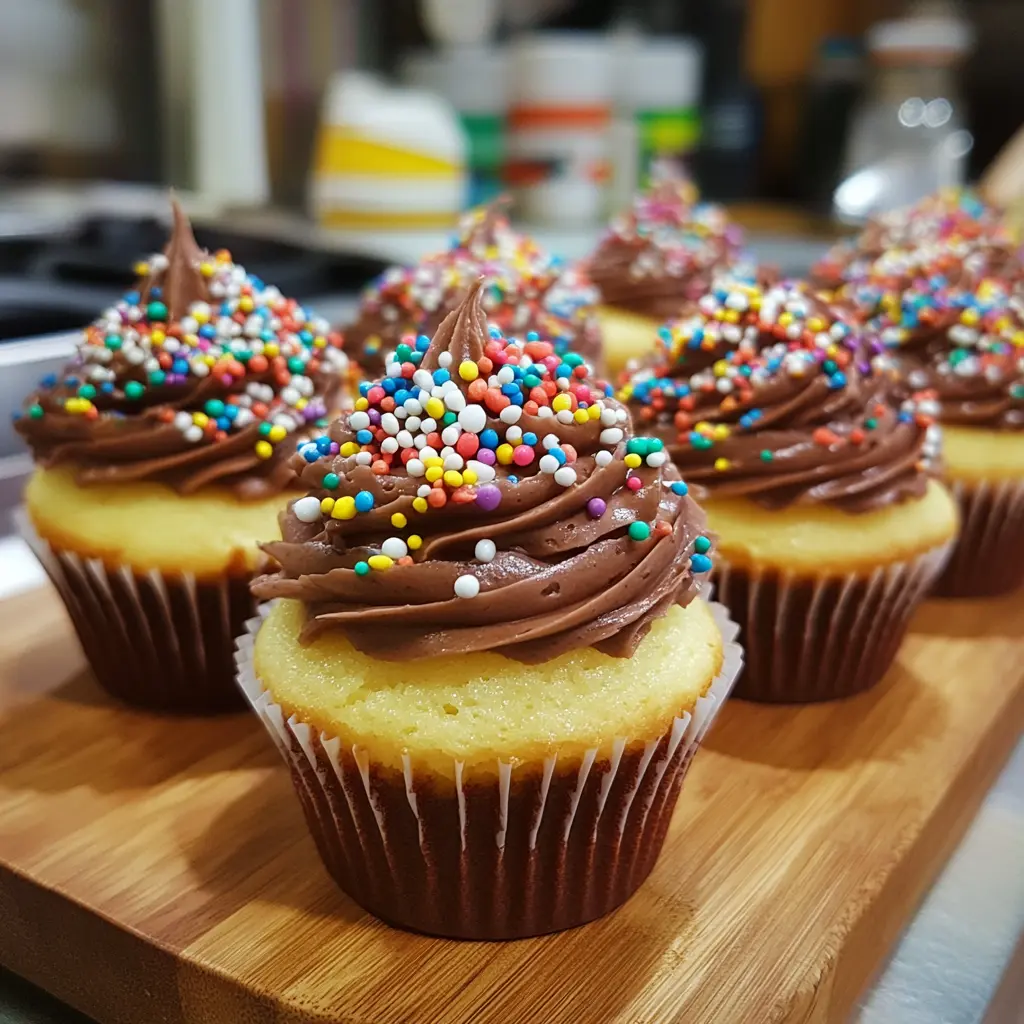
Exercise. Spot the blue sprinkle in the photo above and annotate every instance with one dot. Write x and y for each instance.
(402, 396)
(49, 381)
(210, 332)
(489, 438)
(441, 376)
(309, 452)
(223, 423)
(389, 385)
(107, 387)
(231, 411)
(364, 388)
(509, 390)
(364, 436)
(517, 398)
(179, 366)
(323, 444)
(512, 478)
(422, 343)
(563, 370)
(132, 297)
(530, 438)
(680, 488)
(532, 336)
(559, 455)
(837, 380)
(364, 501)
(700, 563)
(306, 337)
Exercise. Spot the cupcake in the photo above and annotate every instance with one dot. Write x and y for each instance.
(966, 345)
(163, 453)
(829, 527)
(527, 290)
(486, 664)
(654, 261)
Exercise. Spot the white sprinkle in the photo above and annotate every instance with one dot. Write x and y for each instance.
(656, 459)
(545, 412)
(389, 445)
(484, 473)
(603, 458)
(608, 417)
(362, 458)
(194, 434)
(550, 441)
(426, 452)
(566, 476)
(485, 551)
(414, 467)
(183, 420)
(451, 434)
(455, 400)
(423, 378)
(389, 421)
(428, 426)
(400, 412)
(506, 375)
(514, 434)
(404, 438)
(510, 414)
(423, 490)
(473, 418)
(420, 441)
(564, 416)
(394, 367)
(412, 423)
(613, 435)
(394, 547)
(621, 416)
(413, 407)
(466, 586)
(444, 359)
(307, 510)
(358, 420)
(548, 464)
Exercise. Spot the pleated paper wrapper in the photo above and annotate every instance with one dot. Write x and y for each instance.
(988, 558)
(507, 853)
(153, 640)
(818, 638)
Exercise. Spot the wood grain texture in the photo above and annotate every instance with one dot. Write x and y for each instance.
(158, 870)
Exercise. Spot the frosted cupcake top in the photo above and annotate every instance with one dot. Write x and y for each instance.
(527, 289)
(202, 374)
(665, 251)
(769, 394)
(964, 344)
(486, 494)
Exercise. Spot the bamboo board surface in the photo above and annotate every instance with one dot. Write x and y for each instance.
(154, 870)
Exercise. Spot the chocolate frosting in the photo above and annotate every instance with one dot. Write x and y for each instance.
(665, 251)
(524, 520)
(527, 290)
(768, 394)
(201, 375)
(966, 345)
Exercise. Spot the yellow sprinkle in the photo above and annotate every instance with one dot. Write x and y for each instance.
(721, 368)
(434, 460)
(580, 416)
(344, 508)
(277, 433)
(245, 304)
(504, 454)
(380, 562)
(594, 412)
(206, 269)
(469, 477)
(271, 349)
(720, 432)
(141, 269)
(969, 317)
(815, 324)
(349, 448)
(561, 402)
(1018, 339)
(633, 461)
(420, 504)
(301, 404)
(201, 316)
(785, 318)
(468, 370)
(319, 341)
(362, 404)
(157, 336)
(264, 449)
(398, 520)
(434, 474)
(453, 478)
(326, 505)
(200, 419)
(732, 316)
(434, 408)
(414, 541)
(721, 464)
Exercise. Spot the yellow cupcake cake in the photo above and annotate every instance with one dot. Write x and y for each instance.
(486, 664)
(654, 261)
(163, 459)
(829, 526)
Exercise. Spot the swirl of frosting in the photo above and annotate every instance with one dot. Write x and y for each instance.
(767, 394)
(527, 289)
(665, 251)
(966, 345)
(485, 495)
(198, 376)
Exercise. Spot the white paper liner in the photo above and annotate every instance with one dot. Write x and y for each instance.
(538, 839)
(810, 638)
(152, 640)
(988, 557)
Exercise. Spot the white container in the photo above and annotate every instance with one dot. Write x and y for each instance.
(657, 119)
(558, 134)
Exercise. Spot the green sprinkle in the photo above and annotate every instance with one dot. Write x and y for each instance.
(113, 342)
(766, 456)
(35, 411)
(654, 444)
(572, 359)
(156, 311)
(639, 531)
(87, 391)
(157, 377)
(403, 353)
(134, 389)
(264, 430)
(701, 442)
(331, 481)
(296, 365)
(449, 418)
(702, 545)
(362, 568)
(214, 407)
(870, 423)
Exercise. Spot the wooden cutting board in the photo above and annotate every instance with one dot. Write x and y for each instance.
(154, 870)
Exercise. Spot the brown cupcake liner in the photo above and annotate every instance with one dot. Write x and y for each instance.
(812, 639)
(519, 851)
(988, 558)
(153, 640)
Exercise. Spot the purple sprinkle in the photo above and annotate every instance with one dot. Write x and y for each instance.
(486, 456)
(374, 416)
(596, 507)
(488, 497)
(335, 448)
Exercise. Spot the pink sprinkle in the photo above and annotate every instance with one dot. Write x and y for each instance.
(570, 453)
(523, 455)
(634, 483)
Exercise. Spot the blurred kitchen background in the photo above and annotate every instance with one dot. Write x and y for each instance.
(320, 140)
